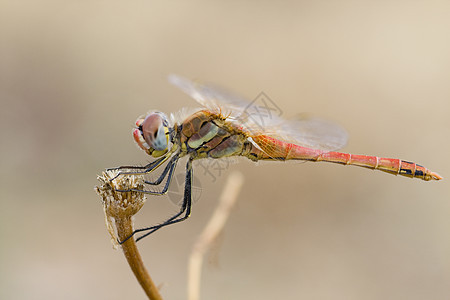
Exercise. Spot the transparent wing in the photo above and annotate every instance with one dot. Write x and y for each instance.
(211, 97)
(263, 117)
(313, 133)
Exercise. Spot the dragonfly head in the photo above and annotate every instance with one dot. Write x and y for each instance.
(152, 133)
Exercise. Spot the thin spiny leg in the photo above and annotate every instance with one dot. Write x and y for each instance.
(185, 207)
(166, 169)
(147, 169)
(149, 165)
(170, 167)
(130, 167)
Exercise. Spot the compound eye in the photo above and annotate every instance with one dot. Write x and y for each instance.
(153, 132)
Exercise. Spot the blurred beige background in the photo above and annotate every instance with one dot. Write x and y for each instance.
(74, 75)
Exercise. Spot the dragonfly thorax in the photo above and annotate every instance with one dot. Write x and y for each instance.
(152, 133)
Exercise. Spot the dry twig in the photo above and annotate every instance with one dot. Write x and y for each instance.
(121, 207)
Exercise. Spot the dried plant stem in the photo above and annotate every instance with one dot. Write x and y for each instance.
(211, 231)
(120, 207)
(125, 229)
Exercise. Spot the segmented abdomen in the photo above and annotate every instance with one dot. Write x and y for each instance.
(273, 149)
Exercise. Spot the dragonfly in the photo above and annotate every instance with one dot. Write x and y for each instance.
(227, 126)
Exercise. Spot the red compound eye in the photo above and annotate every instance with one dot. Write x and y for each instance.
(150, 128)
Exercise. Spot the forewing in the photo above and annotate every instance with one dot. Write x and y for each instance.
(211, 97)
(306, 132)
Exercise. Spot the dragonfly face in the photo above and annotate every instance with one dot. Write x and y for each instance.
(152, 134)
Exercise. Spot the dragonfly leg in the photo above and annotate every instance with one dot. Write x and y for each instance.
(147, 168)
(185, 208)
(169, 168)
(166, 169)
